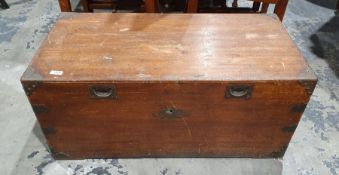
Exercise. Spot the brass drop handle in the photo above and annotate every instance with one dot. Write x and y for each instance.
(103, 92)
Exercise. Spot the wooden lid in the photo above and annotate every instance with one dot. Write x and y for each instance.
(167, 47)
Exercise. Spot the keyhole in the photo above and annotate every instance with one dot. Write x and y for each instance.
(169, 111)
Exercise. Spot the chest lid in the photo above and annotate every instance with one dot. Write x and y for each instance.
(167, 47)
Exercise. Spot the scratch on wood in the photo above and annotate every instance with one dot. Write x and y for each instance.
(103, 42)
(187, 127)
(283, 64)
(161, 49)
(107, 58)
(142, 75)
(124, 30)
(172, 104)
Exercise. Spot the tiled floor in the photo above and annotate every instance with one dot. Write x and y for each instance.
(314, 148)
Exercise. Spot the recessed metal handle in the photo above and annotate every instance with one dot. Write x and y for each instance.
(238, 91)
(103, 92)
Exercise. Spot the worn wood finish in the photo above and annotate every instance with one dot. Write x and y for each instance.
(90, 5)
(264, 7)
(150, 6)
(169, 47)
(85, 5)
(170, 76)
(279, 10)
(65, 5)
(256, 6)
(267, 1)
(192, 6)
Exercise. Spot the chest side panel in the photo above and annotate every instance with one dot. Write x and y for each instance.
(170, 119)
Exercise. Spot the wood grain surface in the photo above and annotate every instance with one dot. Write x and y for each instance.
(169, 77)
(138, 47)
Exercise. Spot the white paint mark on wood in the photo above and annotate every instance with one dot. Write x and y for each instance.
(124, 30)
(56, 72)
(142, 75)
(107, 58)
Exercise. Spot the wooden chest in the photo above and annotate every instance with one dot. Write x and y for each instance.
(168, 85)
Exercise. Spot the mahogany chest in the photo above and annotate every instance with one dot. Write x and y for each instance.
(168, 85)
